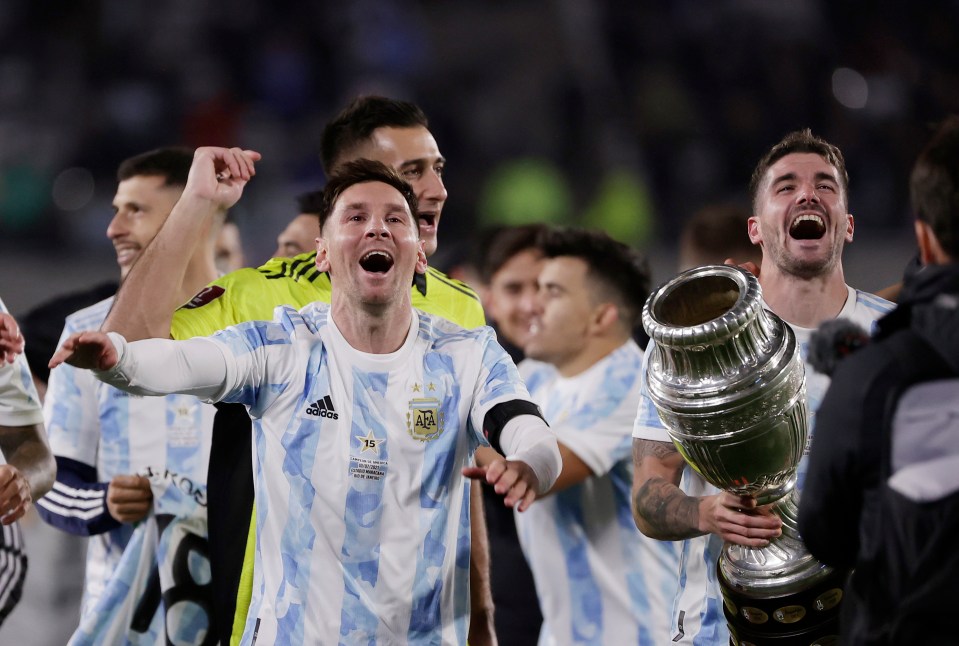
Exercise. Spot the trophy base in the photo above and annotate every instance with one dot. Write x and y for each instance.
(808, 617)
(780, 594)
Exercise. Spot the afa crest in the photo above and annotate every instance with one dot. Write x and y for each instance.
(424, 419)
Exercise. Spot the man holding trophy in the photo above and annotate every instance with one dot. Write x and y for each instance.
(801, 222)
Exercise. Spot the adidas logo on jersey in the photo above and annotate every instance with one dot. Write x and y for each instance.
(322, 408)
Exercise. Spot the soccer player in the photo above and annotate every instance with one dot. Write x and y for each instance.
(362, 513)
(599, 580)
(27, 467)
(140, 496)
(801, 221)
(391, 131)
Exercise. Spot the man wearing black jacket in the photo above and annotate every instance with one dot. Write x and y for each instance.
(882, 490)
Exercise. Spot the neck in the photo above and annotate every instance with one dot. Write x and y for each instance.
(376, 329)
(804, 302)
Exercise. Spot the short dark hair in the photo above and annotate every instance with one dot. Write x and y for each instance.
(171, 163)
(799, 141)
(498, 245)
(360, 171)
(310, 202)
(356, 123)
(717, 232)
(619, 270)
(934, 186)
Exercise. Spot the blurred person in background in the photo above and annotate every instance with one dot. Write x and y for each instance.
(229, 248)
(299, 236)
(716, 234)
(509, 263)
(141, 497)
(598, 578)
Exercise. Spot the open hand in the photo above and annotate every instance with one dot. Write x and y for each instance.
(511, 478)
(90, 350)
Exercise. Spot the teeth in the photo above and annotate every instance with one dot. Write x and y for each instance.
(808, 218)
(373, 254)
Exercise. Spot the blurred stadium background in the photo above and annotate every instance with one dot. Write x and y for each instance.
(623, 114)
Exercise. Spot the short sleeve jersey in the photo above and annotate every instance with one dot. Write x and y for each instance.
(599, 580)
(166, 439)
(697, 616)
(19, 402)
(362, 513)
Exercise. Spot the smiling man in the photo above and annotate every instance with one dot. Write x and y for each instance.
(363, 518)
(801, 221)
(122, 489)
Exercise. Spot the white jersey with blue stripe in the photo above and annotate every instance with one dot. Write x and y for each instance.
(362, 513)
(598, 579)
(19, 403)
(697, 615)
(167, 440)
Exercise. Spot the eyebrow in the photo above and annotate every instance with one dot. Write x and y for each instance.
(364, 206)
(419, 161)
(791, 177)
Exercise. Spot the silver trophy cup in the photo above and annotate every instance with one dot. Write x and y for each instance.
(726, 378)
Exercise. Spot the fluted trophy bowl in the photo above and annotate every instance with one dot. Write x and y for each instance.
(728, 383)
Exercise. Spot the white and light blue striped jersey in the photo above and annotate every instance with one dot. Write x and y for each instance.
(598, 579)
(107, 432)
(697, 615)
(362, 513)
(19, 406)
(19, 403)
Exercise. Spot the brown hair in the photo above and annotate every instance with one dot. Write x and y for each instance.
(361, 171)
(799, 141)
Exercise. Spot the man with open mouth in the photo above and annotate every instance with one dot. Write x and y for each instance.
(801, 221)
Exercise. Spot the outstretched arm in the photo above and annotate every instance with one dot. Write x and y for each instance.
(662, 511)
(532, 465)
(195, 367)
(144, 306)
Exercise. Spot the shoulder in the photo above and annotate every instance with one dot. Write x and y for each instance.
(441, 331)
(456, 289)
(871, 307)
(437, 293)
(865, 373)
(297, 268)
(89, 317)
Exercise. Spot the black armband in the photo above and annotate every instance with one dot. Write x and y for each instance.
(503, 412)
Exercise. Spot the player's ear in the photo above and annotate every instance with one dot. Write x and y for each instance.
(421, 263)
(322, 255)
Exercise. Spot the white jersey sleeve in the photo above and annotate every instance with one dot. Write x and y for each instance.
(19, 403)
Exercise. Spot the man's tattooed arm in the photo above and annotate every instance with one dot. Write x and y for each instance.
(660, 508)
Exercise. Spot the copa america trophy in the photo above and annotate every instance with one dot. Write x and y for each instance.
(726, 378)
